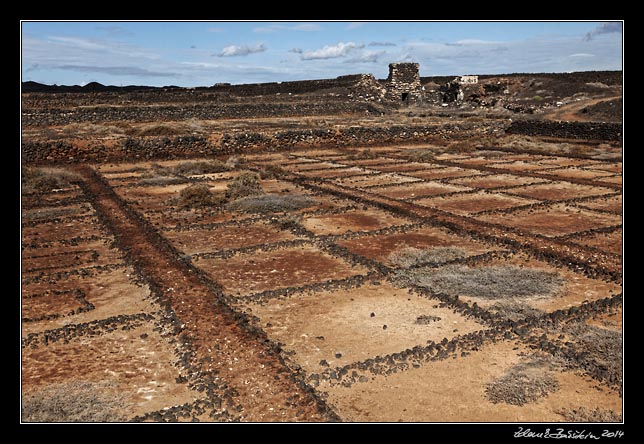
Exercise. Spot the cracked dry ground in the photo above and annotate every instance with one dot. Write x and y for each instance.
(198, 315)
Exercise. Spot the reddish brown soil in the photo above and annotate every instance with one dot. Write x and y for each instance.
(244, 362)
(444, 173)
(610, 242)
(557, 220)
(612, 203)
(381, 246)
(353, 221)
(559, 191)
(259, 271)
(419, 190)
(225, 237)
(495, 181)
(466, 204)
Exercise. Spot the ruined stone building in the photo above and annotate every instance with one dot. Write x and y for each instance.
(403, 83)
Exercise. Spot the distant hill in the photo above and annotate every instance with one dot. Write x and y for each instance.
(35, 87)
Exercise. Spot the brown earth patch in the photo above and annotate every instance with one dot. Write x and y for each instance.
(610, 242)
(350, 221)
(225, 237)
(335, 172)
(418, 190)
(336, 328)
(381, 246)
(374, 180)
(611, 203)
(444, 173)
(554, 220)
(577, 173)
(495, 181)
(453, 390)
(466, 204)
(559, 191)
(269, 270)
(138, 360)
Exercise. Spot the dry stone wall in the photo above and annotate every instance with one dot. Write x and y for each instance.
(567, 130)
(230, 143)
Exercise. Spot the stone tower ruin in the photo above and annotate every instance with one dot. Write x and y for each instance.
(403, 83)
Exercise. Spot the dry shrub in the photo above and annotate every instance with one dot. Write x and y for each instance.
(271, 203)
(272, 172)
(515, 311)
(523, 383)
(74, 401)
(47, 179)
(492, 282)
(193, 168)
(161, 180)
(582, 414)
(422, 155)
(234, 162)
(159, 130)
(246, 184)
(288, 221)
(362, 155)
(198, 196)
(461, 146)
(410, 256)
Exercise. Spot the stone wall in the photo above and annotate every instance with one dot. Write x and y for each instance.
(212, 111)
(133, 149)
(567, 130)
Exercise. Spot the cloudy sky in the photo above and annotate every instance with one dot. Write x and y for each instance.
(204, 53)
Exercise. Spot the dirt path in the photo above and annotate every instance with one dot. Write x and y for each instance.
(262, 387)
(569, 112)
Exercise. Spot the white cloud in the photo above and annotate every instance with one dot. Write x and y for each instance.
(307, 27)
(581, 54)
(331, 51)
(476, 42)
(241, 50)
(366, 57)
(354, 25)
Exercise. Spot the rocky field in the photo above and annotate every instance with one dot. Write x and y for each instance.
(320, 258)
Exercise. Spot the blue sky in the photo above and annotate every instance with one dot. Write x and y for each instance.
(204, 53)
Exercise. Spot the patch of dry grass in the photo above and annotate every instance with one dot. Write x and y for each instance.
(271, 203)
(198, 196)
(193, 168)
(489, 282)
(272, 172)
(246, 184)
(583, 414)
(74, 401)
(47, 179)
(523, 383)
